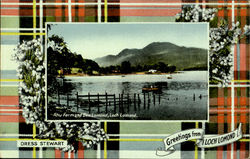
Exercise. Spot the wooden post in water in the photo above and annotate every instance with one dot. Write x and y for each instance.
(77, 101)
(89, 103)
(114, 104)
(148, 98)
(122, 103)
(139, 100)
(67, 100)
(128, 102)
(98, 103)
(106, 102)
(159, 99)
(119, 103)
(144, 100)
(194, 97)
(148, 105)
(154, 98)
(148, 101)
(134, 101)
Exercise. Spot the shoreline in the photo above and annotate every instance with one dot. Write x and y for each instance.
(120, 74)
(117, 74)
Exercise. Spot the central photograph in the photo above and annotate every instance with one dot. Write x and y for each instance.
(127, 71)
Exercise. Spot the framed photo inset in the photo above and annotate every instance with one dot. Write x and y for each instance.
(127, 71)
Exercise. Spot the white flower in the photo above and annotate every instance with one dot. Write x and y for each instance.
(246, 30)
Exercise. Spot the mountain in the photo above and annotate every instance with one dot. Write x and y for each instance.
(169, 53)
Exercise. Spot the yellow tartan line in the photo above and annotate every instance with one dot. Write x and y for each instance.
(106, 11)
(15, 33)
(240, 80)
(34, 36)
(10, 80)
(34, 16)
(196, 147)
(244, 140)
(105, 142)
(135, 139)
(34, 136)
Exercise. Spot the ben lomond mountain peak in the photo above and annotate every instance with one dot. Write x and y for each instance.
(169, 53)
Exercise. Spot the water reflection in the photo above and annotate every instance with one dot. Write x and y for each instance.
(177, 98)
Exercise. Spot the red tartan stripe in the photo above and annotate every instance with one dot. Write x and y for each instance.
(243, 101)
(19, 12)
(151, 1)
(79, 9)
(243, 11)
(229, 151)
(72, 155)
(58, 154)
(220, 101)
(148, 6)
(79, 1)
(235, 63)
(9, 100)
(80, 150)
(243, 92)
(9, 12)
(9, 1)
(66, 155)
(244, 152)
(15, 107)
(243, 61)
(228, 110)
(223, 1)
(148, 12)
(12, 119)
(3, 6)
(219, 152)
(242, 148)
(213, 101)
(235, 151)
(7, 112)
(229, 101)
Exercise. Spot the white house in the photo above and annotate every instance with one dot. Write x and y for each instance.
(152, 71)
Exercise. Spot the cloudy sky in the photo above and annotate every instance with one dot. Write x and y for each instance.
(97, 40)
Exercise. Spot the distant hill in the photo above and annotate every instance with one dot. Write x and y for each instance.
(179, 56)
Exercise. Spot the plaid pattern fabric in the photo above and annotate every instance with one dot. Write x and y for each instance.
(127, 140)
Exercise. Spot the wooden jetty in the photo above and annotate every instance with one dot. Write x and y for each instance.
(107, 103)
(114, 103)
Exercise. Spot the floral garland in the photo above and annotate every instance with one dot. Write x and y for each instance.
(222, 39)
(31, 71)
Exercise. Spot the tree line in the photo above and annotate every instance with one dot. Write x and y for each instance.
(61, 58)
(126, 67)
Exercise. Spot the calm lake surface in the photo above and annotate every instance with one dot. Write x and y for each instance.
(184, 97)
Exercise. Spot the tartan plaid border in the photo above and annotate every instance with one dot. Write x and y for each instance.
(220, 98)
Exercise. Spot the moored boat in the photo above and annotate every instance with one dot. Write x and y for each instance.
(151, 89)
(169, 76)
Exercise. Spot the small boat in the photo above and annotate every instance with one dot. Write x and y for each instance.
(151, 89)
(123, 75)
(169, 76)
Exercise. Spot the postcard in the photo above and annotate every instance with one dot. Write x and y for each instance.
(120, 79)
